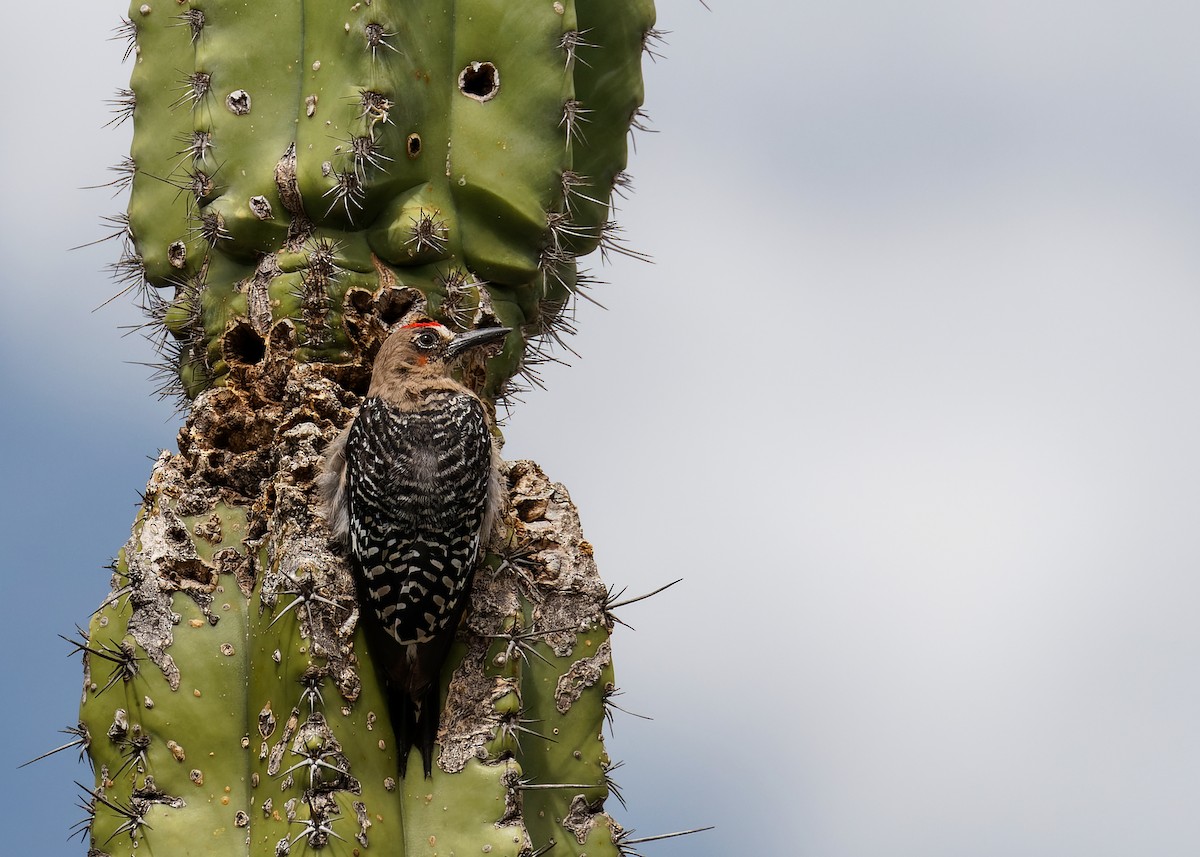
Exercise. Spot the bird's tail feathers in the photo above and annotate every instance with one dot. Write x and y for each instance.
(416, 724)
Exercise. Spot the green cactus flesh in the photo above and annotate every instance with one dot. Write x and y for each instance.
(289, 153)
(231, 699)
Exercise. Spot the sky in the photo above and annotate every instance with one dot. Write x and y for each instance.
(908, 399)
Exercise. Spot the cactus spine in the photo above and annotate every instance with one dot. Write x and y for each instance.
(304, 175)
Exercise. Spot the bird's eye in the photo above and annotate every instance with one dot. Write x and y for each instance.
(427, 339)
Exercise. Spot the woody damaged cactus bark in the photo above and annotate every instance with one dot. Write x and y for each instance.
(306, 176)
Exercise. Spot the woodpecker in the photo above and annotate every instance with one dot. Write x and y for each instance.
(410, 489)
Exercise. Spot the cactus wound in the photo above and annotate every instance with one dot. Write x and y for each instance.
(480, 81)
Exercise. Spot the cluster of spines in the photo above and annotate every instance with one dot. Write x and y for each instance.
(317, 279)
(460, 297)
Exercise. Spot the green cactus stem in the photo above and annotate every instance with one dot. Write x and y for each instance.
(289, 153)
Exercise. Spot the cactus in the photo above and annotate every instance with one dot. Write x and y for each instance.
(304, 176)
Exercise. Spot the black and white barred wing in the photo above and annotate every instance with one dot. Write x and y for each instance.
(417, 494)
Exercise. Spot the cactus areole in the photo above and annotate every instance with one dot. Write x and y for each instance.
(306, 176)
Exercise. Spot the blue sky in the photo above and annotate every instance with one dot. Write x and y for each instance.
(908, 398)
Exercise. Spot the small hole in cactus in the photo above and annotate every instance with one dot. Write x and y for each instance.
(413, 146)
(479, 80)
(392, 304)
(244, 345)
(360, 300)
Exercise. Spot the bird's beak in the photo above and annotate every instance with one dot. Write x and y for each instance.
(473, 339)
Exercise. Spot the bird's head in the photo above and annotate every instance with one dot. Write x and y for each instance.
(426, 348)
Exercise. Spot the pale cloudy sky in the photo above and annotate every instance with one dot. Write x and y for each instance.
(908, 399)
